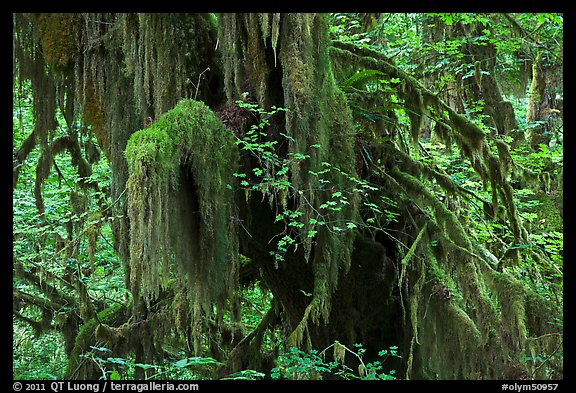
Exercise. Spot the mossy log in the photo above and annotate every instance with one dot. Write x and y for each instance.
(83, 368)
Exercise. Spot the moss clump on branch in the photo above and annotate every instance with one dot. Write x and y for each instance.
(78, 368)
(59, 39)
(457, 303)
(180, 208)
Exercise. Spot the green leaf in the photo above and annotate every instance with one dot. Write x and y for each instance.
(306, 293)
(360, 78)
(120, 361)
(102, 349)
(196, 361)
(114, 376)
(145, 366)
(181, 363)
(245, 375)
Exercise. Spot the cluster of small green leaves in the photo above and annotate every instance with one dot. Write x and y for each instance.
(294, 364)
(297, 364)
(116, 368)
(348, 28)
(272, 179)
(29, 231)
(541, 161)
(36, 357)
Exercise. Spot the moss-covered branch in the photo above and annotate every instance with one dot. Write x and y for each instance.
(470, 138)
(81, 368)
(181, 206)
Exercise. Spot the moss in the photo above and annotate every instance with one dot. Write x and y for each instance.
(295, 47)
(548, 213)
(168, 179)
(88, 62)
(69, 326)
(446, 219)
(169, 57)
(87, 337)
(472, 135)
(92, 233)
(78, 202)
(504, 155)
(59, 39)
(458, 304)
(94, 115)
(415, 109)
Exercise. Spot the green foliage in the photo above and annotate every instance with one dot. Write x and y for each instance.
(273, 179)
(348, 28)
(67, 243)
(119, 368)
(297, 364)
(489, 226)
(249, 375)
(36, 357)
(541, 161)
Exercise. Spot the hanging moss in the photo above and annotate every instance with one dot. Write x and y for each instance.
(548, 213)
(170, 56)
(446, 218)
(415, 109)
(536, 134)
(472, 135)
(168, 161)
(92, 233)
(504, 155)
(182, 234)
(457, 306)
(294, 47)
(94, 115)
(142, 64)
(465, 307)
(450, 126)
(59, 39)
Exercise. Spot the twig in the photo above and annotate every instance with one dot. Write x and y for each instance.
(548, 358)
(60, 173)
(198, 85)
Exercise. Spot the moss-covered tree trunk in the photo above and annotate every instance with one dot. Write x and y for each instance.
(544, 108)
(484, 86)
